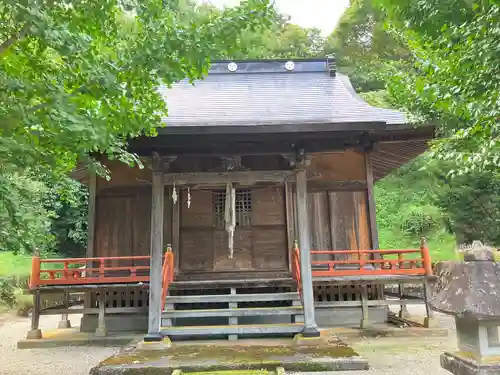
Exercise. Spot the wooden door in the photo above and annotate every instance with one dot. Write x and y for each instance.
(270, 250)
(260, 240)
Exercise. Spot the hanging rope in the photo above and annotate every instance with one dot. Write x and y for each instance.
(230, 216)
(174, 194)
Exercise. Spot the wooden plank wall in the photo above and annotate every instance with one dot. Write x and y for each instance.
(338, 219)
(122, 222)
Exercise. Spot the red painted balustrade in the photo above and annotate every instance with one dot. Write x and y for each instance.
(357, 263)
(100, 270)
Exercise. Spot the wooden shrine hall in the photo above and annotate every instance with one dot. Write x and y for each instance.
(253, 214)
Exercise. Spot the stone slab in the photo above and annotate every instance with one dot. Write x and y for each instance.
(203, 358)
(73, 337)
(460, 365)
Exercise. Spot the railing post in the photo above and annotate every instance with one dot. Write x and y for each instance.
(426, 257)
(101, 268)
(35, 270)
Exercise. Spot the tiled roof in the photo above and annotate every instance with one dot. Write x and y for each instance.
(266, 93)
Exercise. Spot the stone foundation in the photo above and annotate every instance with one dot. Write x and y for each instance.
(459, 365)
(348, 316)
(116, 323)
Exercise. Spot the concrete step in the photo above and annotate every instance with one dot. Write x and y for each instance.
(221, 298)
(258, 311)
(264, 329)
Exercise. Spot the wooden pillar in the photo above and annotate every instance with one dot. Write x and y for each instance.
(92, 186)
(310, 326)
(290, 222)
(372, 209)
(372, 212)
(65, 322)
(35, 332)
(156, 252)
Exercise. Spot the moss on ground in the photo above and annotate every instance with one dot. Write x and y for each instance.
(236, 355)
(232, 372)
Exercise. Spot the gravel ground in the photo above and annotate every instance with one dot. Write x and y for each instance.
(387, 356)
(57, 361)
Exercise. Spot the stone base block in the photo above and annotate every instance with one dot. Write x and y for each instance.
(101, 332)
(155, 345)
(34, 334)
(64, 324)
(349, 316)
(301, 340)
(116, 323)
(459, 365)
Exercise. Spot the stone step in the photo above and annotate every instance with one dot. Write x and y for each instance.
(263, 329)
(233, 283)
(258, 311)
(221, 298)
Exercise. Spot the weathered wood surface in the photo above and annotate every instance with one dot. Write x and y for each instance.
(213, 178)
(337, 166)
(156, 250)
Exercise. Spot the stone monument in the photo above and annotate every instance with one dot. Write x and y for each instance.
(470, 291)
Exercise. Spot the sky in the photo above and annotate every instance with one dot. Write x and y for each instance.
(323, 14)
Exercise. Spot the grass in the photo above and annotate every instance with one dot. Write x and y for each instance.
(16, 268)
(441, 244)
(12, 265)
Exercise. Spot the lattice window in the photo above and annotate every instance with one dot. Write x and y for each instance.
(220, 209)
(243, 208)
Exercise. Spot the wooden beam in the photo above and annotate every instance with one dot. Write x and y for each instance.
(371, 201)
(323, 185)
(243, 178)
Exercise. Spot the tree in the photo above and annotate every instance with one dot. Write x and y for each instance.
(453, 76)
(81, 77)
(364, 49)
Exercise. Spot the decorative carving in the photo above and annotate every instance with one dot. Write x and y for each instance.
(160, 163)
(231, 164)
(303, 159)
(291, 159)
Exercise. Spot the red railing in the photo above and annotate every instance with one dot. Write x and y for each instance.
(167, 273)
(372, 263)
(79, 271)
(296, 268)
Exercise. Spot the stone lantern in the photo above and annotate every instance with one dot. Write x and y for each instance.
(470, 291)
